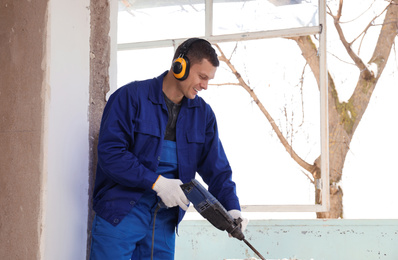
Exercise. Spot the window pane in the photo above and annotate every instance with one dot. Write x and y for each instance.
(142, 64)
(263, 169)
(274, 69)
(259, 15)
(148, 20)
(255, 153)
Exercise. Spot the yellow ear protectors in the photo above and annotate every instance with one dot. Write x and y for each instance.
(181, 65)
(181, 68)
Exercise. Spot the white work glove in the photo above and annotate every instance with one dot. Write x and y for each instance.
(170, 192)
(235, 214)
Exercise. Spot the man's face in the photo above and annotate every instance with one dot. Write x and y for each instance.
(198, 79)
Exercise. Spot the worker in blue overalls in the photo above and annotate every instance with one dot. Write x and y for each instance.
(154, 136)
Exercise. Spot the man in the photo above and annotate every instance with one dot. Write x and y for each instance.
(155, 135)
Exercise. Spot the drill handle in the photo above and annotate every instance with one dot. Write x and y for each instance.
(235, 230)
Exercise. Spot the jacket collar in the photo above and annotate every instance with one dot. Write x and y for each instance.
(156, 93)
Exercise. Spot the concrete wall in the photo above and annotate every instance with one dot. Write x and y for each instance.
(292, 239)
(100, 77)
(23, 90)
(45, 58)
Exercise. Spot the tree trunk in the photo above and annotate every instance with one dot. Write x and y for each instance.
(344, 117)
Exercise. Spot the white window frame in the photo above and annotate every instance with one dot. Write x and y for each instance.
(323, 183)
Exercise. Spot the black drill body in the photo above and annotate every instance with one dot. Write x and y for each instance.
(212, 210)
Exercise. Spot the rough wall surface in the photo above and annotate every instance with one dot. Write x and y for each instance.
(302, 239)
(99, 86)
(22, 77)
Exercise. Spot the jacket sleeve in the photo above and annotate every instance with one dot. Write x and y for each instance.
(116, 138)
(214, 167)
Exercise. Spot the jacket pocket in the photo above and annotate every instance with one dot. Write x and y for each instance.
(146, 143)
(195, 140)
(147, 127)
(195, 136)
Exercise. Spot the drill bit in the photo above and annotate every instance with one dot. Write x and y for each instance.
(255, 251)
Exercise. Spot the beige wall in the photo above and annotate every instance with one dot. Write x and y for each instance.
(30, 116)
(22, 45)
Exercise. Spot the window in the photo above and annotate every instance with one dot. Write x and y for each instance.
(252, 35)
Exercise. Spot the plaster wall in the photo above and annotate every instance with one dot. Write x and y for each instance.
(22, 94)
(66, 194)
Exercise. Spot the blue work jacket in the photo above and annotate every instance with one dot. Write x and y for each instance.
(130, 143)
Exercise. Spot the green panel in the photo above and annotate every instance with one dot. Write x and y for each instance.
(292, 239)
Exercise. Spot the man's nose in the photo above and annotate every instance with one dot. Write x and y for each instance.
(204, 85)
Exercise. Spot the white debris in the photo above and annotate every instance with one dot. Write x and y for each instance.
(373, 68)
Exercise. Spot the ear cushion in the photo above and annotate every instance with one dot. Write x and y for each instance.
(181, 68)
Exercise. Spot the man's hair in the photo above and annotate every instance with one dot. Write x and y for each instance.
(197, 51)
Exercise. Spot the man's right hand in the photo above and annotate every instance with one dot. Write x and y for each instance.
(170, 192)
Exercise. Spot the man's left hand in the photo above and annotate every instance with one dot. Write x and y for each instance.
(235, 214)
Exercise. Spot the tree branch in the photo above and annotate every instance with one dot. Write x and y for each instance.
(371, 23)
(365, 87)
(309, 167)
(358, 61)
(224, 84)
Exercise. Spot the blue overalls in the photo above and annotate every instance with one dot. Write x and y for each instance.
(132, 237)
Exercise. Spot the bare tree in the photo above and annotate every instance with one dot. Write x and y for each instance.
(344, 117)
